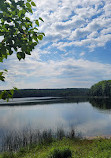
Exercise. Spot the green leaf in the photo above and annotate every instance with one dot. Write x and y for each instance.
(33, 4)
(1, 60)
(7, 99)
(40, 37)
(35, 37)
(37, 22)
(10, 52)
(5, 70)
(28, 5)
(20, 55)
(15, 88)
(27, 18)
(43, 34)
(2, 78)
(12, 91)
(41, 19)
(14, 12)
(20, 12)
(35, 28)
(30, 10)
(1, 73)
(28, 53)
(3, 94)
(29, 0)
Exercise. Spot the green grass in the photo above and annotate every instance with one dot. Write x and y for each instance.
(96, 148)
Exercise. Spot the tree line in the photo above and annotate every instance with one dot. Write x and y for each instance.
(51, 92)
(102, 88)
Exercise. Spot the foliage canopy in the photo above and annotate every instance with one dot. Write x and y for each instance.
(18, 33)
(102, 88)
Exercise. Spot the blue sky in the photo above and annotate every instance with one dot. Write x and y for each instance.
(76, 51)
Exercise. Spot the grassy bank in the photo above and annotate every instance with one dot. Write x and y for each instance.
(96, 148)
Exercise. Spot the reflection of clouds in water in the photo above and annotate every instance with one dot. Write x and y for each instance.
(80, 113)
(11, 118)
(96, 127)
(50, 116)
(37, 116)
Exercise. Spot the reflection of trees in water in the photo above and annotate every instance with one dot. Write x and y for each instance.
(102, 104)
(47, 101)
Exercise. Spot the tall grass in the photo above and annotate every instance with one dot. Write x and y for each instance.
(14, 140)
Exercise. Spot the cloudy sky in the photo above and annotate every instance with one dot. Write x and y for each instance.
(76, 51)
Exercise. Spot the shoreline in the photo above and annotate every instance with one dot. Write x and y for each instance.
(97, 137)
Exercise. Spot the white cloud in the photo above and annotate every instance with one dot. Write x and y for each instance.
(106, 31)
(82, 53)
(55, 74)
(68, 23)
(79, 22)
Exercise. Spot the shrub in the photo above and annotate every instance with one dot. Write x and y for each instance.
(61, 153)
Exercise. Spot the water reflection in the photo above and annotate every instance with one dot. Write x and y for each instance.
(101, 104)
(58, 113)
(40, 101)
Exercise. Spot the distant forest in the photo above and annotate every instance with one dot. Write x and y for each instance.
(100, 89)
(51, 92)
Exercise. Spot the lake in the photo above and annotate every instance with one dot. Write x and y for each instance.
(88, 117)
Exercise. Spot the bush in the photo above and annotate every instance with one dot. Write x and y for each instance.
(61, 153)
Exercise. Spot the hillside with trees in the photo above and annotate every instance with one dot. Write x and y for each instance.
(102, 88)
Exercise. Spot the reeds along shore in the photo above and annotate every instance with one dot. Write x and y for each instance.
(48, 144)
(14, 140)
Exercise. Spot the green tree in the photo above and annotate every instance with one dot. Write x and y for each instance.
(102, 88)
(19, 34)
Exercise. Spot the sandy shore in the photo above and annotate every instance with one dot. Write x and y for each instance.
(98, 137)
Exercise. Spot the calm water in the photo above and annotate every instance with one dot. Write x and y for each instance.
(90, 118)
